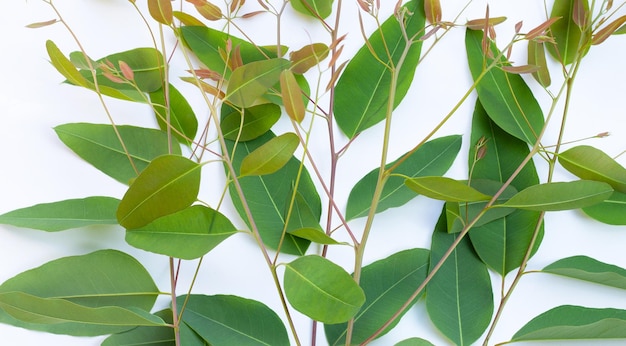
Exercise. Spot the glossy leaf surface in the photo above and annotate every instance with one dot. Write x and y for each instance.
(181, 118)
(363, 90)
(460, 291)
(560, 196)
(575, 322)
(257, 120)
(612, 211)
(231, 320)
(187, 234)
(322, 290)
(313, 8)
(62, 215)
(387, 284)
(433, 158)
(589, 269)
(590, 163)
(566, 33)
(271, 156)
(506, 98)
(445, 189)
(169, 184)
(249, 82)
(99, 145)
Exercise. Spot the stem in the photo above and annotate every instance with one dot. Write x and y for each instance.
(175, 320)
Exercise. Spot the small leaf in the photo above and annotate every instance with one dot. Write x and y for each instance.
(560, 196)
(569, 322)
(249, 82)
(42, 24)
(187, 19)
(479, 24)
(520, 69)
(314, 8)
(207, 9)
(589, 269)
(161, 11)
(308, 56)
(62, 215)
(64, 65)
(537, 57)
(590, 163)
(612, 211)
(127, 71)
(314, 235)
(271, 156)
(322, 290)
(292, 96)
(257, 120)
(541, 28)
(432, 9)
(607, 31)
(445, 189)
(170, 183)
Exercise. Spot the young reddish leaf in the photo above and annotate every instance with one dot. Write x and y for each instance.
(252, 14)
(205, 73)
(308, 56)
(520, 69)
(235, 61)
(479, 24)
(537, 57)
(187, 19)
(41, 24)
(207, 9)
(607, 31)
(271, 156)
(581, 13)
(292, 96)
(204, 86)
(127, 72)
(236, 4)
(161, 11)
(432, 9)
(336, 75)
(541, 28)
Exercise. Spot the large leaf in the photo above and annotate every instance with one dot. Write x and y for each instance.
(105, 278)
(589, 163)
(62, 215)
(506, 98)
(250, 81)
(231, 320)
(271, 156)
(432, 158)
(182, 119)
(170, 183)
(566, 33)
(560, 196)
(363, 90)
(187, 234)
(589, 269)
(612, 211)
(269, 195)
(574, 322)
(256, 121)
(101, 147)
(502, 244)
(313, 8)
(445, 189)
(459, 298)
(322, 290)
(387, 283)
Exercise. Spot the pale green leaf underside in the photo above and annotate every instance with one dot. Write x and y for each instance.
(589, 269)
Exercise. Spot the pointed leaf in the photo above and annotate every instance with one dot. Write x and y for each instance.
(445, 189)
(314, 8)
(170, 183)
(460, 291)
(432, 158)
(292, 96)
(569, 322)
(432, 9)
(387, 283)
(479, 24)
(231, 320)
(587, 162)
(308, 56)
(301, 216)
(250, 81)
(560, 196)
(314, 235)
(505, 96)
(271, 156)
(64, 65)
(182, 118)
(257, 120)
(359, 108)
(100, 146)
(187, 234)
(322, 290)
(589, 269)
(566, 33)
(537, 57)
(612, 211)
(155, 336)
(62, 215)
(161, 11)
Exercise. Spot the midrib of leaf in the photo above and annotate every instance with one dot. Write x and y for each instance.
(320, 289)
(257, 77)
(190, 311)
(594, 172)
(509, 106)
(562, 201)
(458, 298)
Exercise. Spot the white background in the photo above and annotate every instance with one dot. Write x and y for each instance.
(35, 167)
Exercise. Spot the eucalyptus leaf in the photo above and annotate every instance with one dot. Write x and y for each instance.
(612, 211)
(181, 117)
(63, 215)
(433, 158)
(322, 290)
(387, 283)
(170, 183)
(314, 8)
(569, 322)
(313, 235)
(567, 35)
(232, 320)
(250, 81)
(257, 120)
(271, 156)
(590, 163)
(100, 146)
(364, 88)
(445, 189)
(154, 336)
(560, 196)
(589, 269)
(414, 342)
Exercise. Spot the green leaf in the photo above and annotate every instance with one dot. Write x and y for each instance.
(99, 145)
(105, 278)
(507, 99)
(565, 32)
(62, 215)
(182, 119)
(364, 88)
(269, 195)
(154, 336)
(231, 320)
(432, 158)
(257, 120)
(271, 156)
(503, 243)
(161, 11)
(187, 234)
(459, 298)
(387, 283)
(569, 322)
(64, 65)
(560, 196)
(170, 183)
(612, 211)
(313, 8)
(313, 235)
(589, 269)
(292, 96)
(414, 342)
(589, 163)
(250, 81)
(322, 290)
(445, 189)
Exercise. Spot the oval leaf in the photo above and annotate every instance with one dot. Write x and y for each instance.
(250, 81)
(308, 56)
(170, 183)
(537, 57)
(445, 189)
(589, 269)
(182, 118)
(292, 96)
(589, 163)
(161, 11)
(271, 156)
(257, 120)
(612, 211)
(560, 196)
(313, 8)
(322, 290)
